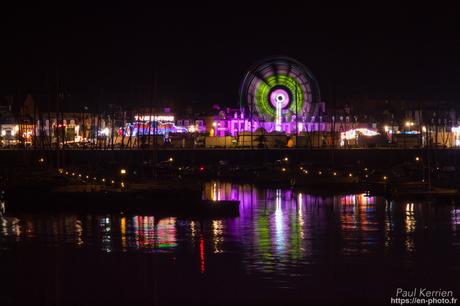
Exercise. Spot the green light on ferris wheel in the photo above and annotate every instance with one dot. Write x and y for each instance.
(262, 95)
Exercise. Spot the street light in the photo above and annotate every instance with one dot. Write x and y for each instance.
(409, 123)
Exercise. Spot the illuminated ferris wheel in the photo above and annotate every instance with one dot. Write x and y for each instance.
(280, 87)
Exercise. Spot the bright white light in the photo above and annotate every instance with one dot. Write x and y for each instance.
(104, 132)
(167, 118)
(279, 106)
(352, 134)
(409, 123)
(15, 130)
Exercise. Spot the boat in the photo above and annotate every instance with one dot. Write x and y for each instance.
(415, 190)
(140, 198)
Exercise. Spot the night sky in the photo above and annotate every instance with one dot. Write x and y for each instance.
(110, 53)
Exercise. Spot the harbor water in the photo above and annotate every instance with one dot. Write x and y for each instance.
(287, 247)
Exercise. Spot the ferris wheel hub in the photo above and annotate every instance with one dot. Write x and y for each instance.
(279, 98)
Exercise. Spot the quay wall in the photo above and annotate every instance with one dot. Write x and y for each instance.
(379, 158)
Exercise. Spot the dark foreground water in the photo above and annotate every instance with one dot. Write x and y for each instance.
(286, 248)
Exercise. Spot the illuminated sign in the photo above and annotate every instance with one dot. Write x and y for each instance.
(169, 118)
(352, 134)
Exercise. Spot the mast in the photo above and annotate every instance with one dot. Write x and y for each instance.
(57, 119)
(296, 119)
(155, 127)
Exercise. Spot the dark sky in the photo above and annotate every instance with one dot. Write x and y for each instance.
(200, 52)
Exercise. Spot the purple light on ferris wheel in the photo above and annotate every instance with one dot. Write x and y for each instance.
(279, 97)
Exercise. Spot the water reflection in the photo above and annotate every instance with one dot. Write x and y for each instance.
(217, 236)
(455, 217)
(410, 227)
(106, 235)
(278, 231)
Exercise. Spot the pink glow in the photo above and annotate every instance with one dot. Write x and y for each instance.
(279, 96)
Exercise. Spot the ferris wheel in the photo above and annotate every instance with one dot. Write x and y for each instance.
(279, 87)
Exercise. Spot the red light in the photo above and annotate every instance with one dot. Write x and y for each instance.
(202, 168)
(202, 254)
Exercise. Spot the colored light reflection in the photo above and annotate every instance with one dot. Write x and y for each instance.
(151, 236)
(217, 236)
(455, 217)
(79, 232)
(216, 192)
(388, 224)
(105, 227)
(166, 233)
(143, 229)
(410, 220)
(124, 243)
(202, 266)
(410, 224)
(279, 226)
(277, 230)
(301, 221)
(359, 223)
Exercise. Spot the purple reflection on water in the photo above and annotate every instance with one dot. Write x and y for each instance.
(283, 238)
